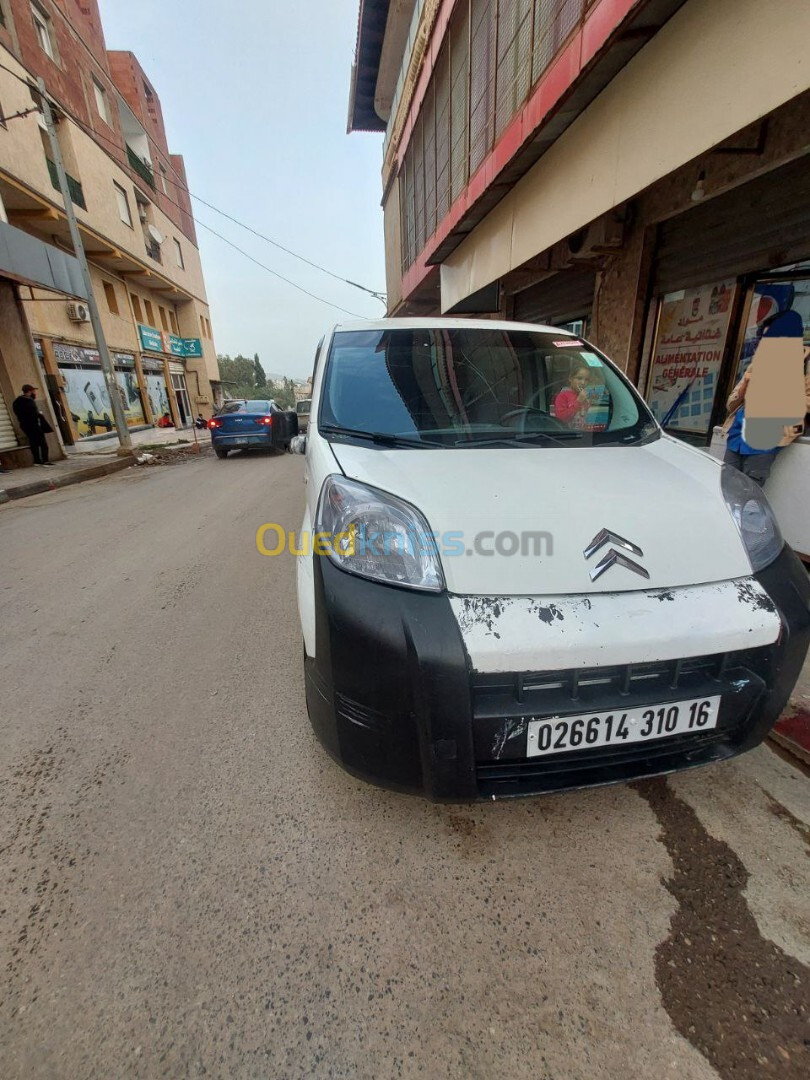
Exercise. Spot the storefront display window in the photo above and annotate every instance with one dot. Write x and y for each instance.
(772, 296)
(86, 392)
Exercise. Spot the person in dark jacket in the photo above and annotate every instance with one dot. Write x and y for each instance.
(35, 426)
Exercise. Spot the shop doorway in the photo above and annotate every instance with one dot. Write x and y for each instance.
(182, 399)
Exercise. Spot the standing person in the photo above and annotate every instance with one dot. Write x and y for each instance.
(572, 403)
(35, 426)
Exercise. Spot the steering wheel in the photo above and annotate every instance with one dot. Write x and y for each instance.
(522, 411)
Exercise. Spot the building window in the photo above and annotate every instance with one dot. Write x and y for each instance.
(163, 183)
(208, 325)
(44, 30)
(150, 315)
(136, 307)
(112, 299)
(123, 204)
(101, 101)
(178, 254)
(164, 322)
(173, 321)
(202, 326)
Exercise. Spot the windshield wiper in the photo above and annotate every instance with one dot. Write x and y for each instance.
(521, 438)
(379, 438)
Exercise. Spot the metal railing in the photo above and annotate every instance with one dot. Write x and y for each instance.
(153, 251)
(141, 168)
(74, 187)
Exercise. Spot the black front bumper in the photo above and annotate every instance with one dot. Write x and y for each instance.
(392, 697)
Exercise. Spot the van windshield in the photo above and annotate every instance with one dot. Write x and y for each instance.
(476, 387)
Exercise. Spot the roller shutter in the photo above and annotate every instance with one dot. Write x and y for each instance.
(8, 440)
(758, 226)
(562, 298)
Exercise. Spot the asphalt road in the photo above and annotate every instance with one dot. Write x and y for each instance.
(190, 887)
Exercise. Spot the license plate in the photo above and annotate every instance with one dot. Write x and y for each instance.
(555, 735)
(240, 442)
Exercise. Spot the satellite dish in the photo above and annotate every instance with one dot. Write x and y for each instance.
(156, 234)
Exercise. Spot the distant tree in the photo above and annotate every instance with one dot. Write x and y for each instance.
(258, 373)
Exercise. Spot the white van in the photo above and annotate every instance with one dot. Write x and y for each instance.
(515, 582)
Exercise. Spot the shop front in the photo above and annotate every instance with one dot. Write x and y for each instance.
(165, 374)
(86, 394)
(721, 270)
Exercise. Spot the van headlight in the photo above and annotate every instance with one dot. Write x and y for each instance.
(376, 535)
(753, 517)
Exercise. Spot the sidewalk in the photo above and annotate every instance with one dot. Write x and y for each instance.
(141, 440)
(20, 483)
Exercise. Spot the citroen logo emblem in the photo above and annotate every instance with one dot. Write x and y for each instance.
(613, 557)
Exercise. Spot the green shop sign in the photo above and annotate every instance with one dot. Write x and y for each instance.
(159, 341)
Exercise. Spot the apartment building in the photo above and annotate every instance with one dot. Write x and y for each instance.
(634, 170)
(131, 199)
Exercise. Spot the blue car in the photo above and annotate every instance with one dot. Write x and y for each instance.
(250, 425)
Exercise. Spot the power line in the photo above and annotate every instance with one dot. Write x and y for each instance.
(275, 273)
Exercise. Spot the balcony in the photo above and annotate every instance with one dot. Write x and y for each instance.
(74, 187)
(140, 167)
(153, 251)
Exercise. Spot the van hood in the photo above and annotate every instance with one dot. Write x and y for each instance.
(664, 498)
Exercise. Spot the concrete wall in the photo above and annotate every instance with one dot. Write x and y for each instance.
(715, 67)
(620, 301)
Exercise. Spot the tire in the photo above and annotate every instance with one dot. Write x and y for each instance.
(220, 451)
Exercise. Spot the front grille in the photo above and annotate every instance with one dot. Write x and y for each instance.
(578, 685)
(504, 703)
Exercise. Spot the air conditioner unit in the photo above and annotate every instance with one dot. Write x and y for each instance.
(601, 237)
(142, 213)
(78, 312)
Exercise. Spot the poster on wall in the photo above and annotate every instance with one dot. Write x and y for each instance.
(89, 401)
(688, 354)
(158, 398)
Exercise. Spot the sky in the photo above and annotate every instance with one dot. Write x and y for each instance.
(255, 96)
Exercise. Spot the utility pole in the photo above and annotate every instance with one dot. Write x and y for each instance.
(124, 436)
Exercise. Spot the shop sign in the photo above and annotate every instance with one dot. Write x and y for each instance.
(692, 332)
(159, 341)
(149, 363)
(123, 360)
(74, 354)
(151, 339)
(193, 346)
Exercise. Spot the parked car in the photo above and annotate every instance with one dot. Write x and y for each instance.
(302, 408)
(241, 425)
(527, 586)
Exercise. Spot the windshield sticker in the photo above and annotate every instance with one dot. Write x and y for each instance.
(569, 343)
(591, 359)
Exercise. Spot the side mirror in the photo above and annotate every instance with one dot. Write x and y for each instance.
(298, 444)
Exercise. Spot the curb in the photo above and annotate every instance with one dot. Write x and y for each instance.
(93, 472)
(792, 733)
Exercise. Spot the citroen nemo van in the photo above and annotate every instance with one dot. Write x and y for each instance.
(514, 582)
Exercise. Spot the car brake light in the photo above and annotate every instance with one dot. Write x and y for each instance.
(264, 420)
(214, 423)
